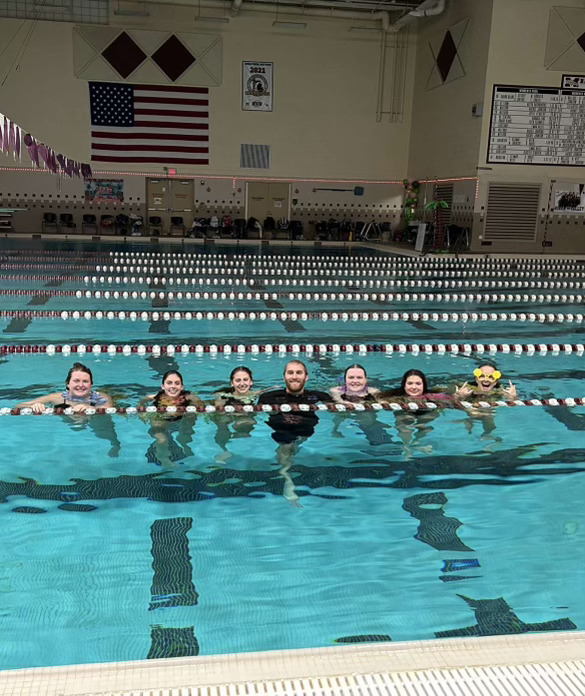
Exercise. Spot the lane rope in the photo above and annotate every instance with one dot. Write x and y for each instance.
(410, 406)
(296, 348)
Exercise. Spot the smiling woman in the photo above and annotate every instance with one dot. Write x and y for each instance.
(78, 394)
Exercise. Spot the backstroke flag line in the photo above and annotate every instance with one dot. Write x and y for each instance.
(149, 123)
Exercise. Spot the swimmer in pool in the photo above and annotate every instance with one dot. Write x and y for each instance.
(172, 393)
(413, 426)
(355, 390)
(292, 428)
(240, 393)
(487, 386)
(79, 395)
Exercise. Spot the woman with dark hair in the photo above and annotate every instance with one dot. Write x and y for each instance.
(413, 385)
(164, 451)
(412, 426)
(239, 393)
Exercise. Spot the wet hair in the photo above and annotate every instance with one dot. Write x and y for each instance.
(242, 368)
(168, 373)
(355, 366)
(296, 362)
(401, 391)
(78, 367)
(413, 373)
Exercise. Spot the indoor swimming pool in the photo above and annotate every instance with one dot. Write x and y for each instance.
(397, 524)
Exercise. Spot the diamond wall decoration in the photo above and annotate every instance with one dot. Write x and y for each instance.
(124, 55)
(173, 58)
(447, 64)
(147, 57)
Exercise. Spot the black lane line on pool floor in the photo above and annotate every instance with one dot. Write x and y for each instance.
(172, 586)
(288, 324)
(38, 299)
(17, 325)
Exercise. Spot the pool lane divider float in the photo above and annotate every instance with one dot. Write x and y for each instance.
(267, 272)
(180, 257)
(233, 265)
(294, 282)
(409, 406)
(381, 298)
(297, 348)
(454, 317)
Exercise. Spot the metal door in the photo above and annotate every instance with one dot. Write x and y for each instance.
(268, 199)
(167, 198)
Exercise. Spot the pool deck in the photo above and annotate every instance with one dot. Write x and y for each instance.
(163, 242)
(539, 663)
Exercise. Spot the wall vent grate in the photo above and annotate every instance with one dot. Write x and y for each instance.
(255, 156)
(512, 212)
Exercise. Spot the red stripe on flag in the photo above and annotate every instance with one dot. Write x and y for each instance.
(161, 124)
(170, 100)
(172, 112)
(139, 160)
(147, 148)
(148, 136)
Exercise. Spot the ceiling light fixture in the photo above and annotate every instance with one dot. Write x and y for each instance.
(199, 18)
(365, 30)
(289, 25)
(132, 13)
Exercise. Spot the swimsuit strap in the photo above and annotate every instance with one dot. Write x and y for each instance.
(95, 398)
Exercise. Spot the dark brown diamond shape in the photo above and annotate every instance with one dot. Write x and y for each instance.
(581, 41)
(446, 56)
(124, 55)
(173, 58)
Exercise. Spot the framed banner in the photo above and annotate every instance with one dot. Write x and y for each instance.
(569, 198)
(104, 190)
(257, 86)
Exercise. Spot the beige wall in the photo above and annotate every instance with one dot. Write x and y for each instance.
(445, 136)
(326, 85)
(517, 56)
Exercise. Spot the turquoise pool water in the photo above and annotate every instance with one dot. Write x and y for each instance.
(383, 528)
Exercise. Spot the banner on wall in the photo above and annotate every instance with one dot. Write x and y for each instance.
(104, 191)
(570, 199)
(257, 86)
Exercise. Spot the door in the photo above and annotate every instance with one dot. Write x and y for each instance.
(167, 198)
(268, 199)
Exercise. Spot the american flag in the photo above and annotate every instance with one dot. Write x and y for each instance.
(149, 123)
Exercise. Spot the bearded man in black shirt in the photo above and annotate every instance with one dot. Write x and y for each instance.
(292, 428)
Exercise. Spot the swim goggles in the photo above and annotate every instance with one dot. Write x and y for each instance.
(493, 377)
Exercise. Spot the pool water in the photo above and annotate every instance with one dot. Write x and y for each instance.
(385, 526)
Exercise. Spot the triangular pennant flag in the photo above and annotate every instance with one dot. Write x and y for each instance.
(6, 137)
(18, 143)
(12, 143)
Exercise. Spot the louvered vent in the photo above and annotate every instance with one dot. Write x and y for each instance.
(512, 212)
(255, 156)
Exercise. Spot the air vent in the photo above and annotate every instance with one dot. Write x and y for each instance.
(512, 212)
(255, 156)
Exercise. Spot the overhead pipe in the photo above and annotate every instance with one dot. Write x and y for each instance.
(428, 8)
(314, 8)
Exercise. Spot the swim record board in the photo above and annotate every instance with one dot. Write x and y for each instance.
(537, 125)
